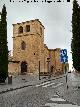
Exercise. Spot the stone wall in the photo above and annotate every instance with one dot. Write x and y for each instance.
(34, 41)
(58, 64)
(35, 50)
(13, 68)
(46, 55)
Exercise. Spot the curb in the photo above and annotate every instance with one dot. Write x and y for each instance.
(16, 88)
(13, 89)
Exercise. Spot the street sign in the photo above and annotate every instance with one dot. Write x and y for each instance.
(64, 59)
(63, 55)
(63, 52)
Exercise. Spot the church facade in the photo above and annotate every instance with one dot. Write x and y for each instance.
(29, 50)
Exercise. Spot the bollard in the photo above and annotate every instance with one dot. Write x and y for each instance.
(10, 79)
(67, 87)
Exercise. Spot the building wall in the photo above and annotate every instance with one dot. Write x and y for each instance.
(13, 68)
(46, 55)
(52, 59)
(57, 63)
(34, 40)
(35, 50)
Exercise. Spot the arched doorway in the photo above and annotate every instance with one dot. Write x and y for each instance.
(52, 69)
(23, 67)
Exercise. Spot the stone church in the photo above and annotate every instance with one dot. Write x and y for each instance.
(30, 52)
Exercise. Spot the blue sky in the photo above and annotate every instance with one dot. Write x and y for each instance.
(56, 18)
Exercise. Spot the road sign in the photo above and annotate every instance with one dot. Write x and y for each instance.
(63, 55)
(63, 52)
(64, 59)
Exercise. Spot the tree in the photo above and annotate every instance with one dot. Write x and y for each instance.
(75, 45)
(3, 46)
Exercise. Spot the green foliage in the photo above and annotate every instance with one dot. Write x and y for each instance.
(75, 45)
(3, 46)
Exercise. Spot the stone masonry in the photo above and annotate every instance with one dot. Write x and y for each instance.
(29, 49)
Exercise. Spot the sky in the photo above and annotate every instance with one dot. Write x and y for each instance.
(55, 16)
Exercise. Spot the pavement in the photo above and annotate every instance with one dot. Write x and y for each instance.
(71, 90)
(70, 94)
(56, 101)
(67, 94)
(21, 81)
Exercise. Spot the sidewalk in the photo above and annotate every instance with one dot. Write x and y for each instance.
(22, 81)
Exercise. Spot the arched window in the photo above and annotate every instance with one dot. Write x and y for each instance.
(27, 29)
(23, 67)
(20, 30)
(23, 45)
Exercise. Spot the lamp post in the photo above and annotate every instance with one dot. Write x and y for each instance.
(66, 73)
(48, 60)
(64, 59)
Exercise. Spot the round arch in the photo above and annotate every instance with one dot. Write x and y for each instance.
(20, 29)
(23, 66)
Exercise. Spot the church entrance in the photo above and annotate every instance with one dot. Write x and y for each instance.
(23, 67)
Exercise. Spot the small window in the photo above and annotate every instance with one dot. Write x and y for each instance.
(34, 53)
(23, 45)
(41, 30)
(27, 28)
(20, 30)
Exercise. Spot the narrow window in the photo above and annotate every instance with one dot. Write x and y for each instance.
(23, 45)
(34, 53)
(27, 28)
(20, 30)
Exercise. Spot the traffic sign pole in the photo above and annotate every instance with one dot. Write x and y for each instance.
(64, 59)
(66, 75)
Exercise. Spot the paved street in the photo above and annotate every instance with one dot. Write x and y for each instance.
(34, 96)
(44, 94)
(56, 101)
(21, 81)
(72, 94)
